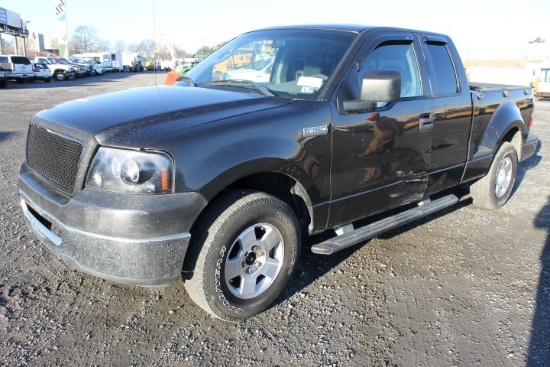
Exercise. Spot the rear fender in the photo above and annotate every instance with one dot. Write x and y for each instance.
(506, 118)
(504, 125)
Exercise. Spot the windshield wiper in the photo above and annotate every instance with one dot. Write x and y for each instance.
(243, 84)
(187, 79)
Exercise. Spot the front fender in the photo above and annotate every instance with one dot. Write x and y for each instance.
(227, 165)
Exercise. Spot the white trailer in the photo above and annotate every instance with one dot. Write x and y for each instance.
(116, 61)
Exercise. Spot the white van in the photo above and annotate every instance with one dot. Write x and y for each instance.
(20, 66)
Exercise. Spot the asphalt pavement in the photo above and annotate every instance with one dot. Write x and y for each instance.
(463, 287)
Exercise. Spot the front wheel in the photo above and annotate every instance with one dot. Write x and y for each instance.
(493, 190)
(60, 76)
(242, 254)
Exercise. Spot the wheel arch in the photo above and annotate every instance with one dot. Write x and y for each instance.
(503, 126)
(281, 185)
(506, 125)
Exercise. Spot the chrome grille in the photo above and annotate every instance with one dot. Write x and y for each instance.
(53, 156)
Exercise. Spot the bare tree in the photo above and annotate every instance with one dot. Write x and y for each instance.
(146, 48)
(7, 47)
(120, 46)
(102, 45)
(203, 52)
(83, 39)
(32, 47)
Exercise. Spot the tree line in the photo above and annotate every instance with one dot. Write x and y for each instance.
(85, 39)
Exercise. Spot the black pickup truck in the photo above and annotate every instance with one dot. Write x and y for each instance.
(281, 133)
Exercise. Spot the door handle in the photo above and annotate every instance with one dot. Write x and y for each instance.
(426, 122)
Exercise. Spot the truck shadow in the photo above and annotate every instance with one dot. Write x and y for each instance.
(6, 135)
(526, 165)
(539, 346)
(313, 267)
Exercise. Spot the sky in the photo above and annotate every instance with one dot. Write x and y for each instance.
(481, 29)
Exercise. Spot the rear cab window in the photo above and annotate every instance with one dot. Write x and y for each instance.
(445, 79)
(20, 60)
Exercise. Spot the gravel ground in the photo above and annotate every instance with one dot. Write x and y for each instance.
(465, 287)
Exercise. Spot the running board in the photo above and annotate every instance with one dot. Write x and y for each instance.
(372, 230)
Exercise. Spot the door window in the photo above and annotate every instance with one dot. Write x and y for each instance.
(398, 57)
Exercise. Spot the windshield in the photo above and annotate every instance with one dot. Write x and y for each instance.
(287, 63)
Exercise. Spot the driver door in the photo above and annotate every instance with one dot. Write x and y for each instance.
(381, 156)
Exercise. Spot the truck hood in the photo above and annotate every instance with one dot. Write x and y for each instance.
(136, 117)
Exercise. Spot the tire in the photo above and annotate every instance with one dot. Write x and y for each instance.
(493, 190)
(4, 84)
(242, 254)
(60, 76)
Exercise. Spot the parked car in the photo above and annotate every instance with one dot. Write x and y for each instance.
(259, 73)
(41, 72)
(83, 67)
(59, 70)
(96, 69)
(20, 66)
(80, 70)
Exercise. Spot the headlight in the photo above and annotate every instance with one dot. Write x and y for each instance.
(129, 171)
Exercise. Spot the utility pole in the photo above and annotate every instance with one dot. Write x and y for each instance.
(25, 34)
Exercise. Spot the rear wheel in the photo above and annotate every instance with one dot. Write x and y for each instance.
(493, 190)
(242, 254)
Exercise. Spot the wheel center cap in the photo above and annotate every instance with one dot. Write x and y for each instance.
(254, 259)
(250, 259)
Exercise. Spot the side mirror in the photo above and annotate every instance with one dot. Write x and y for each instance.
(376, 86)
(381, 86)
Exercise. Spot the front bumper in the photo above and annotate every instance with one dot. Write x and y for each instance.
(132, 239)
